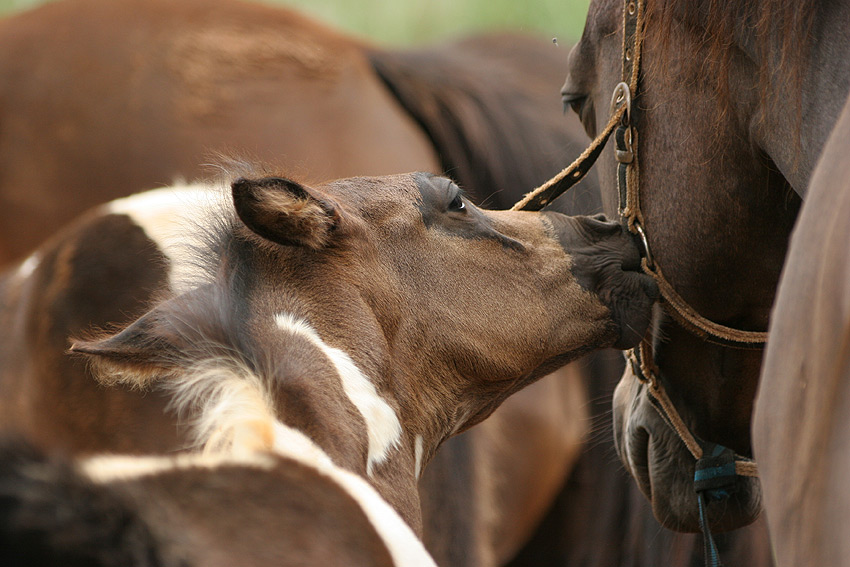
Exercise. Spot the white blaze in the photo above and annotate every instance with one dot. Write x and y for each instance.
(417, 454)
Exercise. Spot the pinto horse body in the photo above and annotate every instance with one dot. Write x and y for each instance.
(300, 324)
(723, 165)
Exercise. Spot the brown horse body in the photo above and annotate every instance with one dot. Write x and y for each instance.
(177, 83)
(301, 326)
(103, 99)
(800, 430)
(718, 162)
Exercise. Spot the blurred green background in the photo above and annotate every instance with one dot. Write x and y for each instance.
(405, 22)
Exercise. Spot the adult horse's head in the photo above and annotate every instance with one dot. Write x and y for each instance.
(383, 315)
(717, 212)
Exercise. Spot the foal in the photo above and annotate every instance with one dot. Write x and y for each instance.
(326, 342)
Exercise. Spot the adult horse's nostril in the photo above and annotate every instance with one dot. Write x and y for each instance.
(631, 254)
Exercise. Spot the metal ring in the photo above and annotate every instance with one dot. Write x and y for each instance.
(622, 95)
(650, 261)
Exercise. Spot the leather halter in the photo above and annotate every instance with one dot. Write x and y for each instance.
(717, 466)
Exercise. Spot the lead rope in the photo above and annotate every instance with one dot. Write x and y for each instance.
(716, 467)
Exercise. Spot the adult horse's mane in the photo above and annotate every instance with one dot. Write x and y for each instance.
(723, 24)
(480, 102)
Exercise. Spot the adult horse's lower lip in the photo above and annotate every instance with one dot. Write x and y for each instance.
(664, 469)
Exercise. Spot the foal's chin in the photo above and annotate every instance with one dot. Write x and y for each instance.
(664, 468)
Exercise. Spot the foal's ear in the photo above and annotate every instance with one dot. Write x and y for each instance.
(284, 211)
(149, 348)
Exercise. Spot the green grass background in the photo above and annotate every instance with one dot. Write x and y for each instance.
(407, 22)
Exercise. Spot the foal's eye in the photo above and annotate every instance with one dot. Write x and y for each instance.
(457, 203)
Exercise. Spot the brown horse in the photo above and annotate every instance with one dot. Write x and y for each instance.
(102, 99)
(720, 161)
(301, 325)
(802, 398)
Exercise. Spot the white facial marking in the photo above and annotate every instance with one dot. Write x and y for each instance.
(403, 545)
(417, 455)
(382, 425)
(168, 217)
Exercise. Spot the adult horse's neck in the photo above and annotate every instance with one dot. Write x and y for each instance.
(794, 136)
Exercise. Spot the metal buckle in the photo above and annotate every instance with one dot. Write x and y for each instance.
(622, 95)
(650, 262)
(627, 155)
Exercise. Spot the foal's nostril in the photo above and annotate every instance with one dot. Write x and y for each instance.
(600, 224)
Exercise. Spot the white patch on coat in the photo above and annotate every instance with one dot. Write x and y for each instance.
(403, 545)
(109, 468)
(236, 425)
(170, 216)
(230, 405)
(382, 424)
(417, 455)
(232, 421)
(28, 266)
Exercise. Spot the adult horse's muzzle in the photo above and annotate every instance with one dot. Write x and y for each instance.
(663, 468)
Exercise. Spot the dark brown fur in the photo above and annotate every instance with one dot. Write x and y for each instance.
(235, 514)
(401, 253)
(718, 215)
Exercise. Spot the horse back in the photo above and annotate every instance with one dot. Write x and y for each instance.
(96, 274)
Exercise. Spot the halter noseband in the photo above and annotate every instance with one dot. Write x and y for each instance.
(717, 467)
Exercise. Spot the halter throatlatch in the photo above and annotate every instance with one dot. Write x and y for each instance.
(717, 467)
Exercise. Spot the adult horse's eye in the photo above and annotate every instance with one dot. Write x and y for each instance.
(457, 203)
(583, 107)
(574, 101)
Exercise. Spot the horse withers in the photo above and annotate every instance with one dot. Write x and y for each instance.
(730, 115)
(363, 322)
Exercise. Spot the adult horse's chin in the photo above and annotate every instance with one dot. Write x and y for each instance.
(654, 455)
